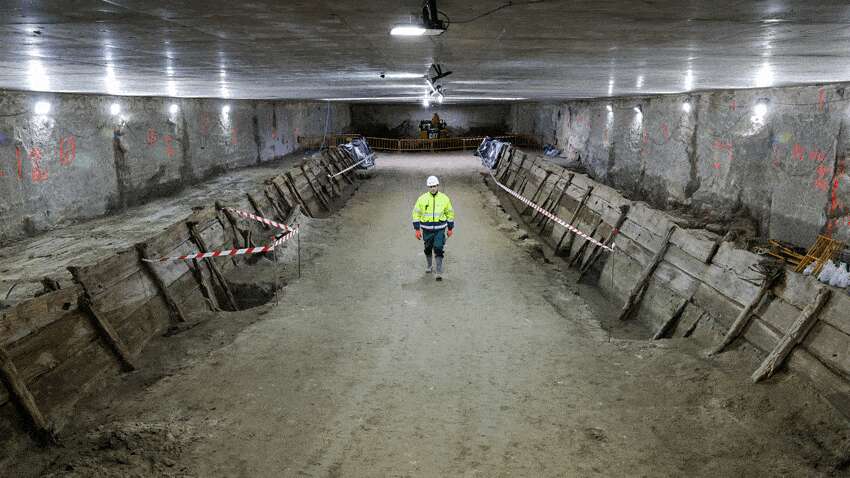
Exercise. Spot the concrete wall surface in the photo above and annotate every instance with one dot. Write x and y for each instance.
(79, 160)
(785, 169)
(402, 121)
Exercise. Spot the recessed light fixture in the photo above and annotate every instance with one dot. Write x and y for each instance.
(115, 108)
(429, 25)
(42, 108)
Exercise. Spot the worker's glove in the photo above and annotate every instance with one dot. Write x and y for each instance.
(418, 235)
(449, 233)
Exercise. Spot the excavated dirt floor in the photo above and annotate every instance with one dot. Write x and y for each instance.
(367, 367)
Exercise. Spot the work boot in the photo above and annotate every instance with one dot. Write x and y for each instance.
(439, 268)
(428, 267)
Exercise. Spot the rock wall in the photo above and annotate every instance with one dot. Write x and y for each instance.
(402, 121)
(785, 168)
(79, 160)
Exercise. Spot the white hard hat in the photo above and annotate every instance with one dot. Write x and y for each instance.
(432, 181)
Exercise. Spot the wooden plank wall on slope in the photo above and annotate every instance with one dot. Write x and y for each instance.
(716, 279)
(59, 350)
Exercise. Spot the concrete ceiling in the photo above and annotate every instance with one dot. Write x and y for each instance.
(320, 49)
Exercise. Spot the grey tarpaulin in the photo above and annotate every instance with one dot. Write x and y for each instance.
(551, 151)
(359, 149)
(489, 151)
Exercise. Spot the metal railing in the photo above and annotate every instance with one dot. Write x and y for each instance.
(409, 145)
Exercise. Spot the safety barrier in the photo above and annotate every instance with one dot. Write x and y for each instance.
(410, 145)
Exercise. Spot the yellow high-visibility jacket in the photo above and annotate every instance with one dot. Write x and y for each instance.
(433, 211)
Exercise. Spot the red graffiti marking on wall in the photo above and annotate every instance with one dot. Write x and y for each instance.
(821, 99)
(205, 124)
(817, 155)
(733, 105)
(20, 163)
(821, 183)
(67, 150)
(779, 151)
(665, 131)
(153, 137)
(169, 146)
(720, 148)
(39, 172)
(798, 152)
(234, 139)
(274, 133)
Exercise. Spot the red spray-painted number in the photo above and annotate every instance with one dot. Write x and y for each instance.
(67, 150)
(169, 145)
(18, 157)
(798, 152)
(665, 130)
(821, 99)
(39, 172)
(153, 137)
(234, 139)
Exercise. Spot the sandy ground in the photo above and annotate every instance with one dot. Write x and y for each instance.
(370, 368)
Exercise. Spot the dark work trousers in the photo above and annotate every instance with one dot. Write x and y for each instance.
(434, 240)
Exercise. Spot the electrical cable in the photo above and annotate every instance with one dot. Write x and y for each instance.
(492, 11)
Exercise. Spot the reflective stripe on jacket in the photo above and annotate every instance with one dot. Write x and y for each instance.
(433, 211)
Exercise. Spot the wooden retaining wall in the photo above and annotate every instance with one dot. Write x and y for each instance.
(700, 284)
(59, 344)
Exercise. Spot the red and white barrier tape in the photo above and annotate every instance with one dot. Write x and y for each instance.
(290, 232)
(551, 216)
(348, 168)
(269, 222)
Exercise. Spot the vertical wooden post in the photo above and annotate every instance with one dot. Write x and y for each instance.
(316, 192)
(290, 184)
(174, 310)
(595, 253)
(257, 209)
(213, 267)
(282, 196)
(796, 334)
(668, 324)
(557, 204)
(22, 397)
(573, 219)
(237, 236)
(743, 318)
(636, 293)
(107, 332)
(580, 253)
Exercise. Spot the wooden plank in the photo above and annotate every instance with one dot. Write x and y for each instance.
(799, 290)
(795, 335)
(32, 315)
(835, 313)
(830, 346)
(108, 270)
(668, 325)
(834, 388)
(699, 243)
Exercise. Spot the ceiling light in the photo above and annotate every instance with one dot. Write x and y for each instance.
(761, 108)
(407, 31)
(430, 23)
(225, 109)
(173, 109)
(609, 108)
(115, 108)
(426, 103)
(686, 106)
(42, 108)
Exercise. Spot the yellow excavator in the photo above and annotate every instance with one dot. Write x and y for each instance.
(436, 128)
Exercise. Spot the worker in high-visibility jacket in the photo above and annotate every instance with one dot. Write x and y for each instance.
(433, 221)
